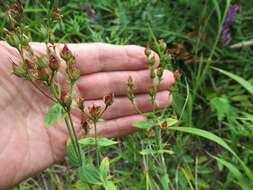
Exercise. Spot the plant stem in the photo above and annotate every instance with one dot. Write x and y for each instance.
(96, 145)
(44, 93)
(73, 132)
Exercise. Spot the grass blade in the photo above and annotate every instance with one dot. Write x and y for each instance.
(238, 79)
(216, 139)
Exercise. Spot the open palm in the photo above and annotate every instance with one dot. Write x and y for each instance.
(27, 146)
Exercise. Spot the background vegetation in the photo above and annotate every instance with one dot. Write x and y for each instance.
(205, 98)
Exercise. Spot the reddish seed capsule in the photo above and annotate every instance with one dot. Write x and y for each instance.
(177, 75)
(80, 103)
(94, 111)
(149, 132)
(164, 125)
(57, 10)
(66, 53)
(108, 99)
(85, 126)
(43, 74)
(53, 63)
(66, 99)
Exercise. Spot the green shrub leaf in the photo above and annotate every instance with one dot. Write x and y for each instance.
(104, 168)
(52, 114)
(100, 141)
(143, 124)
(238, 79)
(108, 185)
(89, 174)
(236, 173)
(72, 156)
(150, 151)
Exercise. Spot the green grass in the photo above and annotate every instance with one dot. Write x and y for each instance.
(211, 103)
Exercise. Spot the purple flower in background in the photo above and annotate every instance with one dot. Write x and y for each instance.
(225, 32)
(90, 11)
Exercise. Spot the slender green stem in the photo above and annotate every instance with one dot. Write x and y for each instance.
(96, 145)
(70, 134)
(74, 136)
(44, 93)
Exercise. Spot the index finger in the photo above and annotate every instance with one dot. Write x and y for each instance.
(102, 57)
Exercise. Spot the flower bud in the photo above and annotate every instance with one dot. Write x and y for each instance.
(149, 132)
(152, 91)
(66, 99)
(130, 82)
(43, 74)
(162, 45)
(147, 52)
(177, 74)
(130, 95)
(108, 99)
(152, 74)
(53, 63)
(57, 14)
(80, 103)
(28, 64)
(66, 53)
(151, 61)
(85, 126)
(164, 125)
(75, 75)
(159, 72)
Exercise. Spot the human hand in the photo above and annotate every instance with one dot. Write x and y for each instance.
(27, 146)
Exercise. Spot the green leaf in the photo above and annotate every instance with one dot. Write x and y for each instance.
(72, 155)
(104, 168)
(52, 114)
(100, 142)
(151, 151)
(217, 9)
(108, 185)
(238, 79)
(221, 106)
(143, 124)
(216, 139)
(236, 173)
(165, 182)
(171, 121)
(89, 174)
(19, 72)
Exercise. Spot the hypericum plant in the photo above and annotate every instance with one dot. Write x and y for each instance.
(47, 73)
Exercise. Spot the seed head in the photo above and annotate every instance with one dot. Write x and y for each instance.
(85, 126)
(130, 82)
(164, 125)
(66, 53)
(147, 52)
(66, 99)
(162, 45)
(43, 74)
(177, 74)
(80, 104)
(94, 111)
(53, 63)
(108, 99)
(149, 132)
(151, 61)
